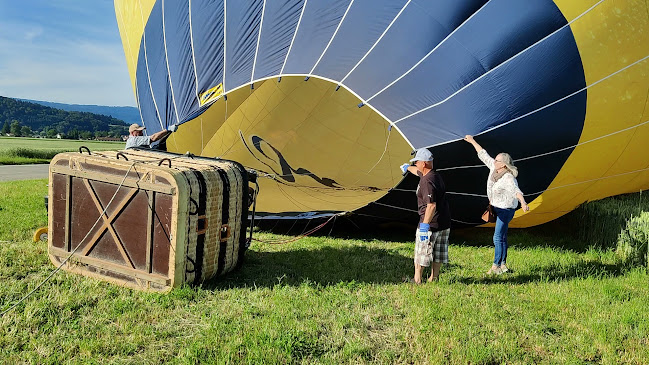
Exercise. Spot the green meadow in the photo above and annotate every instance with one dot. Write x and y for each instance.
(18, 150)
(337, 297)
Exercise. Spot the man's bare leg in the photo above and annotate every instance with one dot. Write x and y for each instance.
(434, 272)
(417, 273)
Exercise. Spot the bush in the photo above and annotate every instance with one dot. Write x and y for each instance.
(31, 153)
(633, 240)
(597, 224)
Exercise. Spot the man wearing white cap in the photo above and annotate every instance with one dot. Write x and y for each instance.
(431, 244)
(136, 137)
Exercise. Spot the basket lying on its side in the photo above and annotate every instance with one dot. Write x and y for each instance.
(167, 219)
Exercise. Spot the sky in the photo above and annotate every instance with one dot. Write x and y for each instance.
(66, 51)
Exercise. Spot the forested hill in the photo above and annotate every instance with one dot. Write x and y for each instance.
(128, 114)
(42, 119)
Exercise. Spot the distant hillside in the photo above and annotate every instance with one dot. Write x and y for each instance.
(128, 114)
(40, 118)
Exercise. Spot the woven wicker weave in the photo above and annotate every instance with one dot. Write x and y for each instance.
(214, 203)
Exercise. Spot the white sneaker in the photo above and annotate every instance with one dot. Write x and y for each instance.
(494, 271)
(503, 268)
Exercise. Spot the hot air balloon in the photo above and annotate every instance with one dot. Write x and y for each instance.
(327, 98)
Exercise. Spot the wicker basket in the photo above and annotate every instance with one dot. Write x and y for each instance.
(167, 219)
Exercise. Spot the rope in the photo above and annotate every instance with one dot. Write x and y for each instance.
(537, 193)
(385, 149)
(83, 239)
(592, 180)
(275, 176)
(491, 70)
(549, 104)
(332, 225)
(392, 206)
(75, 249)
(448, 192)
(304, 234)
(554, 151)
(202, 142)
(225, 115)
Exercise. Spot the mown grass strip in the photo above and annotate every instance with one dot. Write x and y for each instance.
(20, 151)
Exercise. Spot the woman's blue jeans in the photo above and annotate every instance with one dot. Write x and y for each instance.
(503, 217)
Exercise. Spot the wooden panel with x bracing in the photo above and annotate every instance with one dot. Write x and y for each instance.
(108, 222)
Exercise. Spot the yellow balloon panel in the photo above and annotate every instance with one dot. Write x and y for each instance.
(131, 20)
(617, 103)
(319, 150)
(634, 155)
(555, 204)
(611, 37)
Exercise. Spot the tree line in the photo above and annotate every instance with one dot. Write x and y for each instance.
(25, 119)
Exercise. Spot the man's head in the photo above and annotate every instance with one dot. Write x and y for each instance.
(423, 159)
(135, 130)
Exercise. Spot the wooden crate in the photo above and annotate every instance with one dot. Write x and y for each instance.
(167, 219)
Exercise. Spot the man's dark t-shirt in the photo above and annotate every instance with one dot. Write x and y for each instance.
(431, 189)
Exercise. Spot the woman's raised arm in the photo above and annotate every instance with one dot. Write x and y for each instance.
(482, 153)
(469, 138)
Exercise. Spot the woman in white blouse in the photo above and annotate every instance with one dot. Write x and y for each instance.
(504, 196)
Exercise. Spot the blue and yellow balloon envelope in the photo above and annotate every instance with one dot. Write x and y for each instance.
(328, 98)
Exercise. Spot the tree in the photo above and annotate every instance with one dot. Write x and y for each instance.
(51, 133)
(26, 131)
(72, 134)
(6, 129)
(15, 128)
(85, 135)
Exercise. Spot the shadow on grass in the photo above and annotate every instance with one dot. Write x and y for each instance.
(550, 273)
(351, 266)
(325, 266)
(348, 266)
(519, 238)
(540, 236)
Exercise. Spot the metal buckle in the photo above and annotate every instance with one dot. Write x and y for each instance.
(225, 232)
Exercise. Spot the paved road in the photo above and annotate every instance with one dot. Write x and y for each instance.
(24, 172)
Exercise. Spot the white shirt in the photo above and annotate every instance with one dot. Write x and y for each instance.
(138, 141)
(502, 193)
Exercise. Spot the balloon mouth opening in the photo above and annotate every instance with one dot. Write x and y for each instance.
(317, 151)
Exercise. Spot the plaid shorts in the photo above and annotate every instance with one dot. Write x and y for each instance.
(434, 249)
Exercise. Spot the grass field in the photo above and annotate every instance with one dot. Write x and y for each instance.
(18, 151)
(329, 299)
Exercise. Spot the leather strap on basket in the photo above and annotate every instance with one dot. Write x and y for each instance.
(201, 226)
(225, 217)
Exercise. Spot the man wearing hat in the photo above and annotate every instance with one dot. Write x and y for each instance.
(431, 244)
(136, 137)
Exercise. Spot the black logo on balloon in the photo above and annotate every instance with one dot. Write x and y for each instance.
(287, 173)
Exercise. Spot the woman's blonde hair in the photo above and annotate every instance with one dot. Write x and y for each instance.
(509, 164)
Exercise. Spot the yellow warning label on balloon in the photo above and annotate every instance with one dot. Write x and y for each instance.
(211, 94)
